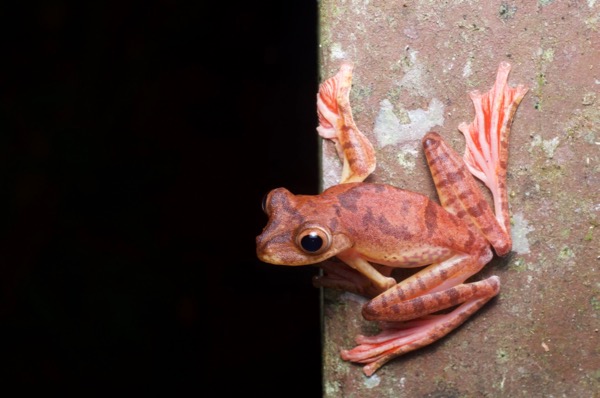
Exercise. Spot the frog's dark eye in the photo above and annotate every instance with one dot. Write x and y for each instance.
(313, 239)
(264, 203)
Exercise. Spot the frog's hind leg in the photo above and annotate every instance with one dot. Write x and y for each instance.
(407, 311)
(399, 338)
(460, 195)
(486, 157)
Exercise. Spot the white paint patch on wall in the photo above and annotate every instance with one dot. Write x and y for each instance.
(413, 80)
(548, 146)
(390, 131)
(331, 169)
(467, 69)
(373, 381)
(519, 230)
(407, 157)
(337, 52)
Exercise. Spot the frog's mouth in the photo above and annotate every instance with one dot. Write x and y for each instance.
(281, 250)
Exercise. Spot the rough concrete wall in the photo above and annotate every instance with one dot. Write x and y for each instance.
(415, 62)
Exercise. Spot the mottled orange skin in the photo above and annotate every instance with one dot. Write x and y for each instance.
(376, 222)
(374, 228)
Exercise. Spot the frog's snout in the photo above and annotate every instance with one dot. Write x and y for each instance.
(264, 251)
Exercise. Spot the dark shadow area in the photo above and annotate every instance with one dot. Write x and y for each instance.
(137, 140)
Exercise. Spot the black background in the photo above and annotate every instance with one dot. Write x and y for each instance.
(137, 139)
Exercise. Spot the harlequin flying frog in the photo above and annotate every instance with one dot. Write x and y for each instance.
(373, 228)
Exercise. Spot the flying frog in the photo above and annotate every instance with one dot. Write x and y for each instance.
(373, 228)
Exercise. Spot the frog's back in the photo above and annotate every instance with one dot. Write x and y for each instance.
(389, 201)
(389, 223)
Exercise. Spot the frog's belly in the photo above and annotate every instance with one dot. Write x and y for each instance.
(409, 256)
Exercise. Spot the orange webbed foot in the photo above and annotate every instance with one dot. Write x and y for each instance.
(393, 341)
(486, 154)
(336, 124)
(399, 338)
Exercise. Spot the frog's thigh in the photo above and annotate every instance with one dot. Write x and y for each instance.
(431, 289)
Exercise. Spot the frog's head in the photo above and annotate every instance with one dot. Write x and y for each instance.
(300, 230)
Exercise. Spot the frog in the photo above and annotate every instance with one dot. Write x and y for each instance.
(359, 232)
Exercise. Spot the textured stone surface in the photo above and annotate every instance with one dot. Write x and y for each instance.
(415, 62)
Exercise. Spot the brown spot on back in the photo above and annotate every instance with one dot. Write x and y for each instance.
(368, 217)
(379, 188)
(400, 232)
(333, 224)
(349, 199)
(338, 210)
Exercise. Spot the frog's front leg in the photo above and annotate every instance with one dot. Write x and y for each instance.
(337, 124)
(340, 276)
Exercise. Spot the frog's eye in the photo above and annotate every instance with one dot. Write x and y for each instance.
(264, 203)
(313, 239)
